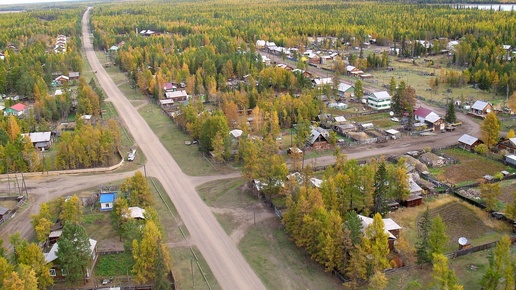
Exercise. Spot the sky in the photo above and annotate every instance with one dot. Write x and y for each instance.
(11, 2)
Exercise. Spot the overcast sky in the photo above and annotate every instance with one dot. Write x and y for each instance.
(10, 2)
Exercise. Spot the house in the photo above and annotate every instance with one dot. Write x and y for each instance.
(177, 96)
(390, 227)
(424, 115)
(511, 159)
(166, 103)
(319, 138)
(107, 200)
(40, 140)
(468, 142)
(266, 60)
(135, 212)
(432, 160)
(508, 144)
(58, 92)
(393, 134)
(62, 79)
(236, 133)
(481, 108)
(342, 129)
(170, 87)
(57, 273)
(414, 199)
(74, 75)
(54, 236)
(354, 71)
(320, 82)
(339, 119)
(260, 43)
(15, 110)
(345, 90)
(113, 48)
(296, 176)
(379, 101)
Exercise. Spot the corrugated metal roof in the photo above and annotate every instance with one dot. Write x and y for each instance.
(467, 139)
(479, 105)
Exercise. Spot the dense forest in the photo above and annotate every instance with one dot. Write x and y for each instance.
(204, 46)
(31, 63)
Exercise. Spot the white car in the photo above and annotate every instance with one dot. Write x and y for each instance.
(131, 155)
(394, 119)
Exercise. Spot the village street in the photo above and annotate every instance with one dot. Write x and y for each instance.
(224, 259)
(220, 251)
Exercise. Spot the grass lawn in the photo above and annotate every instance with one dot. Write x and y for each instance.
(508, 191)
(182, 265)
(170, 219)
(471, 167)
(114, 265)
(226, 193)
(461, 219)
(279, 263)
(187, 157)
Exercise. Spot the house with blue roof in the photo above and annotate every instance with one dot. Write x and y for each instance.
(107, 199)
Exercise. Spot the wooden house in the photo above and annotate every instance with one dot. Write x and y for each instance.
(56, 272)
(481, 108)
(345, 90)
(468, 142)
(390, 227)
(74, 75)
(54, 236)
(424, 115)
(40, 140)
(62, 79)
(177, 96)
(432, 160)
(319, 138)
(16, 110)
(508, 144)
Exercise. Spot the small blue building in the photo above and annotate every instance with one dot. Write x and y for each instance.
(107, 199)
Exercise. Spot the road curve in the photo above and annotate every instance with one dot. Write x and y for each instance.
(225, 261)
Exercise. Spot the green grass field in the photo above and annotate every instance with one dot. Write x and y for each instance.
(114, 265)
(470, 168)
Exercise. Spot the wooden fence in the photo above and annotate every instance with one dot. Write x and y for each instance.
(483, 247)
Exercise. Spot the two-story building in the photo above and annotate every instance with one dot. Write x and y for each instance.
(379, 101)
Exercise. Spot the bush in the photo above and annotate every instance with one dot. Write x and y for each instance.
(481, 149)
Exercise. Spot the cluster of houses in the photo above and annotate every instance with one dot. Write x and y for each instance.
(175, 94)
(62, 79)
(51, 247)
(60, 46)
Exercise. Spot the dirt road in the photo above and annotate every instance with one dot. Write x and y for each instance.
(225, 261)
(45, 189)
(406, 143)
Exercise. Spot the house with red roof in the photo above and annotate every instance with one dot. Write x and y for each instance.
(427, 116)
(16, 110)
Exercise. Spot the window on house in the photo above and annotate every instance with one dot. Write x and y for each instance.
(52, 272)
